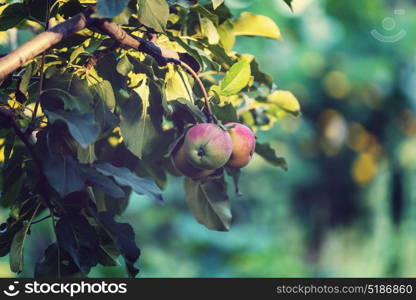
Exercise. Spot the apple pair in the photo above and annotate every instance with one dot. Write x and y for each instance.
(207, 147)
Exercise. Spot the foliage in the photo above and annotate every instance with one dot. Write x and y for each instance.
(89, 122)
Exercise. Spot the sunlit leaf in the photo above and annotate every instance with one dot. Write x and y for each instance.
(256, 25)
(236, 78)
(154, 14)
(285, 100)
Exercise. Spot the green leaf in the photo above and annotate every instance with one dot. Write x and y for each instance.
(209, 203)
(106, 184)
(13, 15)
(79, 239)
(27, 75)
(256, 25)
(16, 249)
(124, 66)
(64, 174)
(141, 120)
(216, 3)
(227, 36)
(226, 113)
(124, 238)
(181, 104)
(177, 85)
(70, 102)
(235, 174)
(110, 8)
(56, 263)
(236, 78)
(105, 92)
(86, 155)
(124, 177)
(269, 154)
(154, 14)
(82, 127)
(209, 31)
(285, 100)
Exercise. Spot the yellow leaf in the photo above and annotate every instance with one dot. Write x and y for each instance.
(256, 25)
(285, 100)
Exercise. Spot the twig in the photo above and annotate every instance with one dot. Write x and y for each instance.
(97, 55)
(40, 220)
(201, 85)
(41, 75)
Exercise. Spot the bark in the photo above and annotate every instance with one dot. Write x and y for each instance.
(54, 35)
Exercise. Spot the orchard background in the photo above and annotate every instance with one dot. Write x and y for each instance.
(345, 207)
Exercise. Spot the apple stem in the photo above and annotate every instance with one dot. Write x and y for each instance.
(204, 91)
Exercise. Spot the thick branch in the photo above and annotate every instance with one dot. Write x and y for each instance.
(54, 35)
(42, 42)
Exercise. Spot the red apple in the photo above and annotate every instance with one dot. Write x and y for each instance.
(207, 146)
(184, 167)
(244, 143)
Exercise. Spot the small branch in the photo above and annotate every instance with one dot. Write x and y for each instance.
(10, 115)
(41, 75)
(201, 85)
(42, 42)
(40, 220)
(54, 35)
(97, 55)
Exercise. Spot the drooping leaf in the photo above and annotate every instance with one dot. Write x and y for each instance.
(105, 183)
(106, 120)
(124, 238)
(256, 25)
(110, 8)
(79, 239)
(82, 127)
(236, 78)
(227, 36)
(124, 177)
(177, 85)
(209, 203)
(56, 263)
(86, 155)
(16, 249)
(235, 174)
(27, 75)
(141, 118)
(269, 154)
(64, 174)
(124, 66)
(105, 93)
(209, 31)
(154, 14)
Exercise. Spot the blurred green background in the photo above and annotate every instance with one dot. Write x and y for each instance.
(347, 205)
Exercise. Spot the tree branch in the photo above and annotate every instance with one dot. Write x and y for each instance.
(54, 35)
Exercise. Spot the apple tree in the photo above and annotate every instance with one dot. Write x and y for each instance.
(105, 100)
